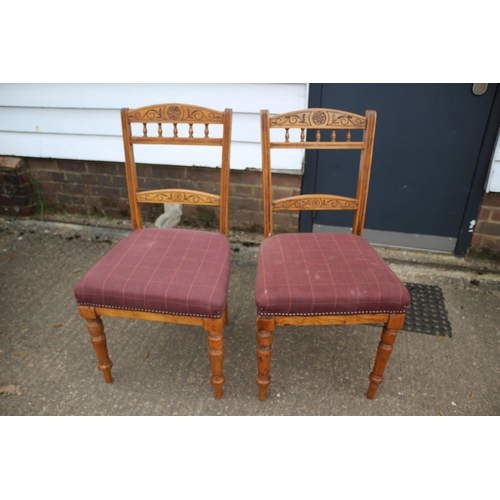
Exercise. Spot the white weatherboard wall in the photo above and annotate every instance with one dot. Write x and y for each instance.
(493, 184)
(82, 121)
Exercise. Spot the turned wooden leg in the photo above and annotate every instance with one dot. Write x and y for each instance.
(384, 350)
(96, 330)
(215, 330)
(265, 328)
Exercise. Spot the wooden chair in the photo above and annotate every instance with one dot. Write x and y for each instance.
(323, 279)
(169, 275)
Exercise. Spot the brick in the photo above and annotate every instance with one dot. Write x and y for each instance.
(119, 181)
(124, 194)
(245, 204)
(76, 188)
(476, 240)
(92, 201)
(250, 177)
(495, 215)
(104, 191)
(490, 242)
(72, 178)
(43, 175)
(56, 176)
(50, 187)
(4, 177)
(484, 214)
(169, 172)
(10, 184)
(107, 168)
(286, 222)
(41, 164)
(142, 170)
(98, 180)
(16, 199)
(8, 162)
(71, 166)
(203, 174)
(258, 192)
(64, 199)
(89, 179)
(205, 186)
(149, 184)
(243, 190)
(23, 178)
(71, 200)
(118, 213)
(163, 171)
(282, 192)
(150, 212)
(110, 203)
(17, 211)
(490, 228)
(244, 219)
(69, 208)
(113, 203)
(50, 198)
(190, 211)
(237, 175)
(10, 180)
(77, 202)
(491, 200)
(289, 180)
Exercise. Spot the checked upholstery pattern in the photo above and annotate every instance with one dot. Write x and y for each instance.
(173, 271)
(325, 274)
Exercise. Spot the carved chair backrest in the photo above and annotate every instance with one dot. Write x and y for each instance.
(175, 114)
(318, 119)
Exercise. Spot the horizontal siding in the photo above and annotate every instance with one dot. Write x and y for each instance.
(494, 180)
(494, 177)
(102, 122)
(241, 97)
(82, 121)
(493, 185)
(106, 148)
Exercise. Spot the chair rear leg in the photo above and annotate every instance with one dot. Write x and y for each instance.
(215, 330)
(384, 351)
(265, 328)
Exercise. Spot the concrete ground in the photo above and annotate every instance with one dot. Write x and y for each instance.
(163, 369)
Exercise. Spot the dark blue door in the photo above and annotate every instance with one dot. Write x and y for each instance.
(427, 143)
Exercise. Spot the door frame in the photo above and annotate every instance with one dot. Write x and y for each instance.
(476, 191)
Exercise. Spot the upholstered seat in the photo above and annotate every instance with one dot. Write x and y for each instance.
(173, 271)
(325, 274)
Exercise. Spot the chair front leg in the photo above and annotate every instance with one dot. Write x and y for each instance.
(98, 339)
(389, 333)
(215, 330)
(265, 328)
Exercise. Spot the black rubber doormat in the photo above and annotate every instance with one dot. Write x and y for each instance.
(427, 312)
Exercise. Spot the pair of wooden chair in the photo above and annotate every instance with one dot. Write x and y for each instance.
(182, 276)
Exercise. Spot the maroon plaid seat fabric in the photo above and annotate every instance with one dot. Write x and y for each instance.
(325, 274)
(176, 271)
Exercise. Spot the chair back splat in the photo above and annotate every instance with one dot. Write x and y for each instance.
(169, 275)
(173, 115)
(319, 119)
(323, 279)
